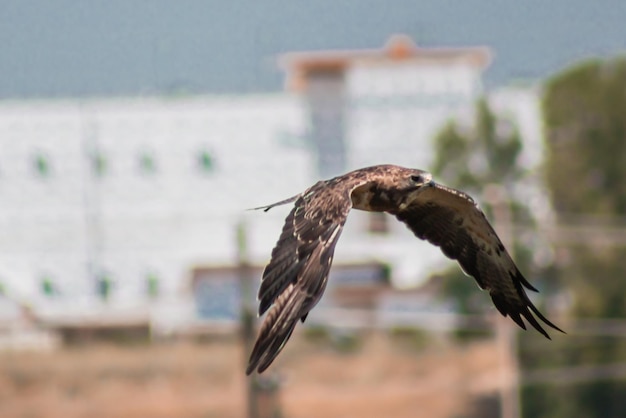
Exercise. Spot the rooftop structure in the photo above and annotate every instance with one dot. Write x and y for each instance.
(383, 105)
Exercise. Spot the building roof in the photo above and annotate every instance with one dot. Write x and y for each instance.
(299, 65)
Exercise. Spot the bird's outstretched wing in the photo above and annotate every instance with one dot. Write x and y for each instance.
(295, 278)
(451, 220)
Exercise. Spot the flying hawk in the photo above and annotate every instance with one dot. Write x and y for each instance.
(295, 278)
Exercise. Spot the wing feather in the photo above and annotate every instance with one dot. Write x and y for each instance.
(295, 278)
(451, 220)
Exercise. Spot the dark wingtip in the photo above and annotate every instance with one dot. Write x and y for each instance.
(252, 362)
(533, 321)
(264, 366)
(525, 312)
(249, 370)
(545, 320)
(536, 325)
(519, 276)
(518, 320)
(528, 315)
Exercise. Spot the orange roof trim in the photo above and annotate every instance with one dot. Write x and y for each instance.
(299, 65)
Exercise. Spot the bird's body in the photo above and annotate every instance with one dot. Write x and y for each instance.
(295, 278)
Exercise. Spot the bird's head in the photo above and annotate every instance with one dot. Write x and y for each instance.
(409, 180)
(404, 180)
(398, 181)
(419, 178)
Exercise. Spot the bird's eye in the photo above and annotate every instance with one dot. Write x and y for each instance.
(417, 179)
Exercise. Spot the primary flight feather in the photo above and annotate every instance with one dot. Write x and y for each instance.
(295, 278)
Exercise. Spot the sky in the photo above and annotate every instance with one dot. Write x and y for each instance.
(69, 48)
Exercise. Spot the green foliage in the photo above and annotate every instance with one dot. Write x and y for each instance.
(471, 158)
(316, 333)
(410, 337)
(483, 154)
(586, 133)
(341, 341)
(463, 290)
(585, 128)
(585, 169)
(601, 399)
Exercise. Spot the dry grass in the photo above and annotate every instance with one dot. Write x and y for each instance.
(184, 379)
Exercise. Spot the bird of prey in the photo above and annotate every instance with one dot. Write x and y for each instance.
(295, 278)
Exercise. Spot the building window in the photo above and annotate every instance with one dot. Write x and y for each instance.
(41, 165)
(48, 287)
(152, 285)
(98, 164)
(218, 292)
(147, 164)
(206, 163)
(104, 286)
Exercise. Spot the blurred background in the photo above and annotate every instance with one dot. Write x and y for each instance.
(134, 136)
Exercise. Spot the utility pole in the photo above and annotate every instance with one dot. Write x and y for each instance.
(261, 391)
(246, 313)
(506, 335)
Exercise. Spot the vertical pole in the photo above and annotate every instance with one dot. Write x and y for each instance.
(506, 335)
(262, 391)
(509, 389)
(246, 314)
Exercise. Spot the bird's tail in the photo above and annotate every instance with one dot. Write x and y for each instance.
(282, 202)
(276, 329)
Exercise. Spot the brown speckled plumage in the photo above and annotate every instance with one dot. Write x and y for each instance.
(295, 278)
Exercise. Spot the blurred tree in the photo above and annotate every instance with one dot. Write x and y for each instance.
(482, 154)
(585, 123)
(586, 132)
(473, 158)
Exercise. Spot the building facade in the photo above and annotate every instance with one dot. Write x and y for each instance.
(123, 199)
(127, 191)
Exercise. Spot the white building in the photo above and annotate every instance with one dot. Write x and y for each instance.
(143, 188)
(127, 188)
